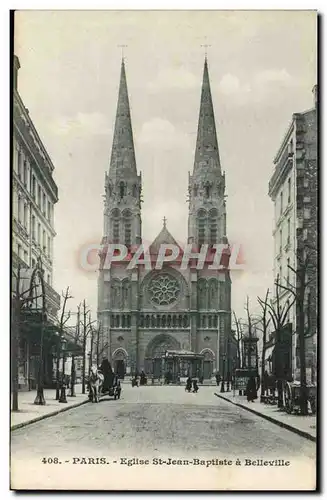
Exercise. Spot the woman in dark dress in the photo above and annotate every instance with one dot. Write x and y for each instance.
(108, 375)
(251, 390)
(188, 384)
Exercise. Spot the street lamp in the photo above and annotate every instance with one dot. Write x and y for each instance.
(222, 387)
(63, 398)
(38, 273)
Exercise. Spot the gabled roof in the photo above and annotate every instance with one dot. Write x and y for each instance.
(163, 238)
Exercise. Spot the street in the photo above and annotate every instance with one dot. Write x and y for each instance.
(157, 422)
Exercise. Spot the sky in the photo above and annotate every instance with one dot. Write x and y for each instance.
(262, 67)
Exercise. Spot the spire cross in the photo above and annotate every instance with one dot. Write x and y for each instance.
(122, 49)
(205, 45)
(164, 221)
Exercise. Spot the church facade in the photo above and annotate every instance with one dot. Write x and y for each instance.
(145, 312)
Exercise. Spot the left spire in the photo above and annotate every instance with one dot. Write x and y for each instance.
(122, 162)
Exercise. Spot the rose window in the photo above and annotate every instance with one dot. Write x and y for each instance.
(164, 290)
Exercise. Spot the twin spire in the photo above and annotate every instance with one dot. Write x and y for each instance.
(123, 162)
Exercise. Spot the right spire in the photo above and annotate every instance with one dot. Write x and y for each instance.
(206, 152)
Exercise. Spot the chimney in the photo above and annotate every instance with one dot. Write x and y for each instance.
(15, 74)
(315, 95)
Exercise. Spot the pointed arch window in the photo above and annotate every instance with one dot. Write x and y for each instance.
(121, 189)
(127, 227)
(115, 225)
(207, 188)
(201, 226)
(213, 226)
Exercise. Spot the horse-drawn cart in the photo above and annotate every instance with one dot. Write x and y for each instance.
(103, 382)
(292, 397)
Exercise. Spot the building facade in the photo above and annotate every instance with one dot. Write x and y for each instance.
(145, 311)
(293, 189)
(34, 195)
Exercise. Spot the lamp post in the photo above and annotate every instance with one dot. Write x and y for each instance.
(228, 364)
(222, 387)
(38, 273)
(73, 375)
(63, 398)
(58, 367)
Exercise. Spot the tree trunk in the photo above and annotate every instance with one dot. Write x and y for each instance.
(263, 368)
(72, 377)
(303, 381)
(15, 360)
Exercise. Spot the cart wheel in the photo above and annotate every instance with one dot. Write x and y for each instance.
(288, 398)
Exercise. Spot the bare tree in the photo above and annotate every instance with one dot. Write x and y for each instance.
(76, 345)
(86, 332)
(64, 318)
(21, 303)
(265, 321)
(239, 336)
(305, 275)
(278, 313)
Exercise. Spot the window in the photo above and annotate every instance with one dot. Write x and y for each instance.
(128, 230)
(290, 147)
(25, 215)
(19, 164)
(49, 279)
(288, 231)
(49, 247)
(280, 240)
(39, 196)
(19, 250)
(307, 213)
(207, 190)
(201, 226)
(44, 205)
(33, 187)
(122, 189)
(26, 256)
(289, 190)
(49, 211)
(33, 227)
(115, 225)
(305, 183)
(281, 202)
(280, 273)
(44, 242)
(213, 226)
(19, 208)
(25, 173)
(39, 234)
(33, 263)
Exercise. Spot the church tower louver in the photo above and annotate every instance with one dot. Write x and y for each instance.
(145, 312)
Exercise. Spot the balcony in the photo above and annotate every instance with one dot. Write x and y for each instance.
(284, 164)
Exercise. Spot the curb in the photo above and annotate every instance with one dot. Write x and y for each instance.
(47, 415)
(304, 434)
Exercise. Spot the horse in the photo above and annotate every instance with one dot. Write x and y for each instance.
(96, 381)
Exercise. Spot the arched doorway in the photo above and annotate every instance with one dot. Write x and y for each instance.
(119, 358)
(208, 363)
(154, 352)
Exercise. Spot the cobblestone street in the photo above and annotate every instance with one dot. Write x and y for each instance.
(154, 422)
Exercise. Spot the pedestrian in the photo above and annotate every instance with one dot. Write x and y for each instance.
(217, 378)
(188, 384)
(251, 390)
(195, 386)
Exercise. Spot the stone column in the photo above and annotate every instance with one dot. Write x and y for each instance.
(134, 340)
(193, 311)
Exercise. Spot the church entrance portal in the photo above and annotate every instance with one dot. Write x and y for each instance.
(156, 349)
(119, 359)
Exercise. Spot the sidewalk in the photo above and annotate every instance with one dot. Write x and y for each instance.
(303, 425)
(29, 412)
